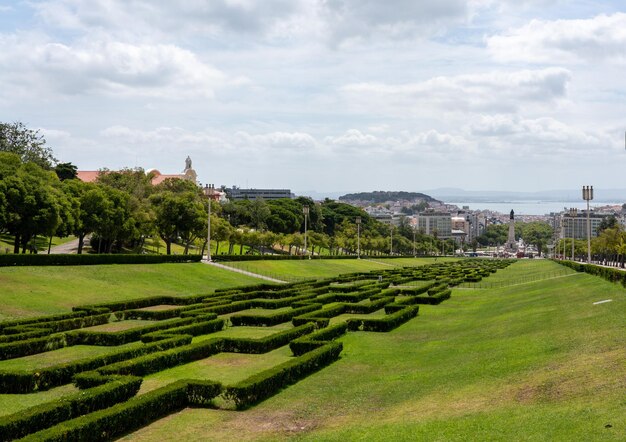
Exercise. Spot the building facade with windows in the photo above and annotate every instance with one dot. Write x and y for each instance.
(432, 223)
(237, 194)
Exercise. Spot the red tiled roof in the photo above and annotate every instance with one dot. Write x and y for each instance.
(88, 176)
(160, 178)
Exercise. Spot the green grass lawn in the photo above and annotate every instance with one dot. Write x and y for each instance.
(533, 362)
(322, 268)
(32, 291)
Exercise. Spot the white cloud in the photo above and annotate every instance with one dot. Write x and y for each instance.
(599, 38)
(358, 20)
(109, 68)
(494, 91)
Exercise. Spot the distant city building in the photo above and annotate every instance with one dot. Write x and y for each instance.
(430, 222)
(576, 227)
(237, 194)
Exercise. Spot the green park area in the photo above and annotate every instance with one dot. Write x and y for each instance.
(534, 357)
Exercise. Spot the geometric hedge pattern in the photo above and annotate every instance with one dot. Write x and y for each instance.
(107, 403)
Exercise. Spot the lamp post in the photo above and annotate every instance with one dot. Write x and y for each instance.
(391, 239)
(208, 192)
(588, 196)
(305, 210)
(414, 254)
(358, 237)
(572, 214)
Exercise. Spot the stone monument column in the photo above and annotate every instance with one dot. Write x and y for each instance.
(510, 242)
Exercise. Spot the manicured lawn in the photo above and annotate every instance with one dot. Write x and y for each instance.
(12, 403)
(62, 355)
(32, 291)
(6, 242)
(323, 268)
(227, 368)
(532, 362)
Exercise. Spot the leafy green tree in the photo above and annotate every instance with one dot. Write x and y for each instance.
(178, 215)
(537, 233)
(28, 144)
(259, 213)
(66, 171)
(32, 206)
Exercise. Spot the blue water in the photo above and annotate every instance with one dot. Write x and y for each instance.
(529, 207)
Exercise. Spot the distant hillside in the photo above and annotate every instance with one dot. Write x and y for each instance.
(378, 197)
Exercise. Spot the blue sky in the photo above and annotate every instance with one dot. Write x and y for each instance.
(335, 95)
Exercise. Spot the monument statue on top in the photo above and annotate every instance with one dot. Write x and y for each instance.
(511, 245)
(188, 163)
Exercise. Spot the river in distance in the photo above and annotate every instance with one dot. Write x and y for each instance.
(527, 207)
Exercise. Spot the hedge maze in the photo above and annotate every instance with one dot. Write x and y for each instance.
(145, 336)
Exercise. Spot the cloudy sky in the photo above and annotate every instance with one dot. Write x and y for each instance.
(326, 95)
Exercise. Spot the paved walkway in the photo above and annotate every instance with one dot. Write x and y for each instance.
(243, 272)
(68, 247)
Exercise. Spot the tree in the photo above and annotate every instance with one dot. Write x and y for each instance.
(178, 215)
(537, 233)
(259, 213)
(66, 171)
(28, 144)
(32, 204)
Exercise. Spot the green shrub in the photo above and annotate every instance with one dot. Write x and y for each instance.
(310, 342)
(68, 407)
(267, 383)
(385, 324)
(76, 260)
(272, 319)
(61, 374)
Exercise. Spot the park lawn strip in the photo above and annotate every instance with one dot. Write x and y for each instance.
(60, 356)
(533, 361)
(33, 291)
(529, 269)
(12, 403)
(322, 268)
(226, 368)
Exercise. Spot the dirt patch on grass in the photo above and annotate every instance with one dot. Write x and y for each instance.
(276, 423)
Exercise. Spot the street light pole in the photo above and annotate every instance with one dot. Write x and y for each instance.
(358, 237)
(588, 196)
(391, 240)
(305, 210)
(208, 192)
(572, 213)
(414, 254)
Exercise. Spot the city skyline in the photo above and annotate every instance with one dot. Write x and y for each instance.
(354, 95)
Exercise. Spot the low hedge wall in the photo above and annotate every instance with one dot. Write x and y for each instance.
(385, 324)
(122, 337)
(68, 407)
(269, 320)
(267, 383)
(22, 381)
(610, 274)
(316, 339)
(127, 416)
(267, 343)
(320, 317)
(78, 260)
(371, 307)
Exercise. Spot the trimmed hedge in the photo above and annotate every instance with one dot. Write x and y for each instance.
(320, 317)
(385, 324)
(267, 343)
(135, 413)
(68, 407)
(371, 307)
(267, 383)
(310, 342)
(122, 337)
(78, 260)
(44, 378)
(269, 320)
(614, 275)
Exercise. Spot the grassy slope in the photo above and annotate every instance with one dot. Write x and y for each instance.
(31, 291)
(535, 361)
(324, 268)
